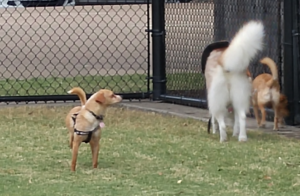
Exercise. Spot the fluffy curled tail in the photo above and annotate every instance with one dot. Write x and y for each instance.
(80, 93)
(272, 66)
(245, 45)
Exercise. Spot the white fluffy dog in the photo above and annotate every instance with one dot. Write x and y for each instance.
(227, 81)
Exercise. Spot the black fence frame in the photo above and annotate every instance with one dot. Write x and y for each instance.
(291, 55)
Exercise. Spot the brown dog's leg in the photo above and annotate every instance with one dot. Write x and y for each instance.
(275, 108)
(95, 147)
(255, 109)
(75, 148)
(71, 138)
(280, 121)
(263, 115)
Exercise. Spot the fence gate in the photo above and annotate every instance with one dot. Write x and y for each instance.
(47, 48)
(192, 25)
(292, 58)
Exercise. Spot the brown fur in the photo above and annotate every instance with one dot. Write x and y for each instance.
(215, 59)
(266, 92)
(97, 104)
(212, 62)
(69, 124)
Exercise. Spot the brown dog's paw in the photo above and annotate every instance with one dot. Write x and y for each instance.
(262, 126)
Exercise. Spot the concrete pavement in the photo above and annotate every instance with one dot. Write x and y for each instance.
(202, 115)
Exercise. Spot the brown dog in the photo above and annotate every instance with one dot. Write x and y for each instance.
(85, 122)
(266, 92)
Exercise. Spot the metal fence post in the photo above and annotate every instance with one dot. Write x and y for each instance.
(288, 60)
(158, 49)
(296, 64)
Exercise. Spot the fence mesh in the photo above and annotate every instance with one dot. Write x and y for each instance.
(47, 50)
(191, 26)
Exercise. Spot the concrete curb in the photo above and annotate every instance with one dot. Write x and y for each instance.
(146, 109)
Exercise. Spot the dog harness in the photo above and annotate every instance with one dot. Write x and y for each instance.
(88, 133)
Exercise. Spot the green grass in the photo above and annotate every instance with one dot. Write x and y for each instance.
(120, 84)
(59, 86)
(141, 154)
(185, 81)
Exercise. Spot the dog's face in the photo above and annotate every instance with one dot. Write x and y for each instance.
(107, 97)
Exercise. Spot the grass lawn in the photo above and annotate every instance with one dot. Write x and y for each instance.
(141, 154)
(119, 84)
(60, 86)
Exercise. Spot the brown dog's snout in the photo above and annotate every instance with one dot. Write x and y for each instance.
(119, 97)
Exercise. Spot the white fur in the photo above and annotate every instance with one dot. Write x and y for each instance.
(214, 125)
(233, 87)
(91, 118)
(246, 43)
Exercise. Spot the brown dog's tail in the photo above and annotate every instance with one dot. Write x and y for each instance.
(272, 66)
(80, 93)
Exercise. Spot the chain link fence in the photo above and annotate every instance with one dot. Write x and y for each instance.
(49, 47)
(191, 26)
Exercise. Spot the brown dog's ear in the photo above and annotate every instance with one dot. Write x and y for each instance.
(100, 98)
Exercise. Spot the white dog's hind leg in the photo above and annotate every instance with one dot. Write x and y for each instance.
(242, 122)
(240, 95)
(222, 128)
(236, 127)
(214, 125)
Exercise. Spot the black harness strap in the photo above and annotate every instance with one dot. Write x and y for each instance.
(88, 133)
(100, 117)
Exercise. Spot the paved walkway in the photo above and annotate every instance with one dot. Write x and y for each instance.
(201, 114)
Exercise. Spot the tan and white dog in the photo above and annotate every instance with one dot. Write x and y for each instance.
(227, 81)
(212, 119)
(266, 91)
(85, 122)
